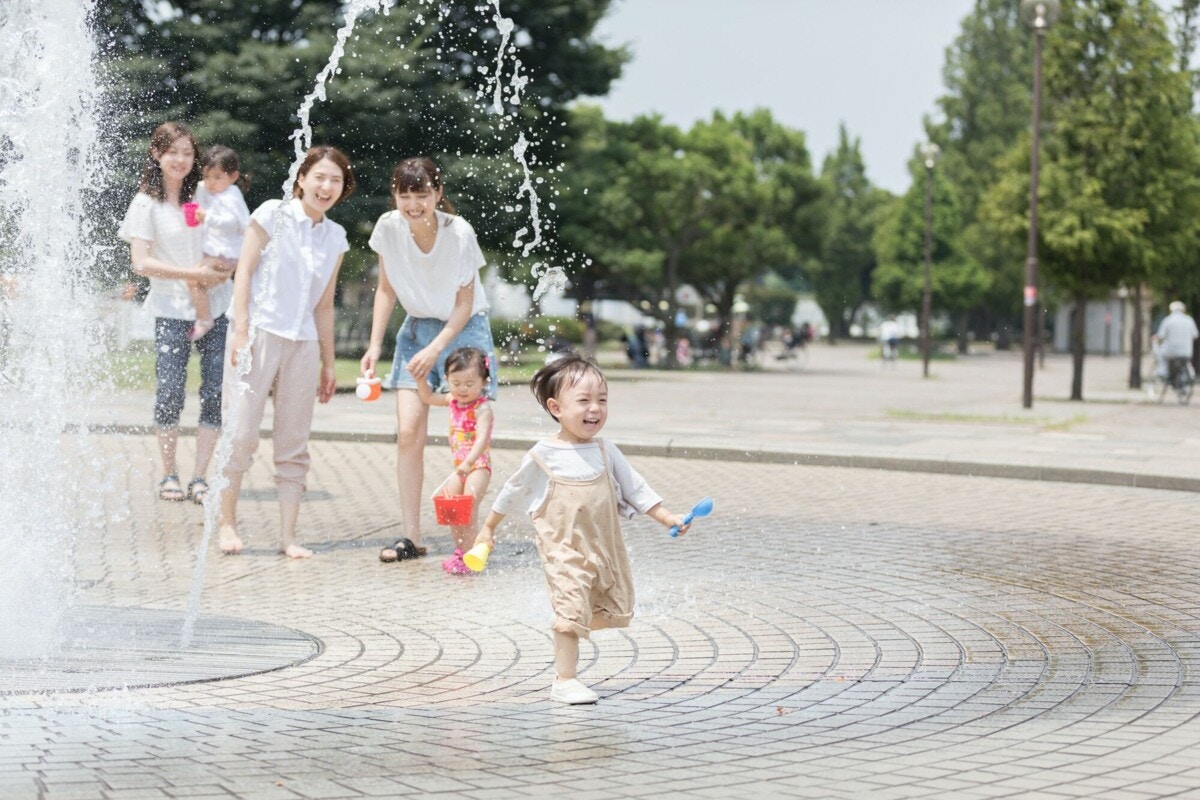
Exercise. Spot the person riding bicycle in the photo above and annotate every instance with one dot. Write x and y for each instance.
(1176, 335)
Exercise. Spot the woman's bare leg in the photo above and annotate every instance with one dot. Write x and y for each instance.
(412, 429)
(206, 443)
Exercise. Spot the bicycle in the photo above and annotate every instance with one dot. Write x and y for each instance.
(1178, 376)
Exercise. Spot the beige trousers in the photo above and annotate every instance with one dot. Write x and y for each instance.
(583, 554)
(289, 371)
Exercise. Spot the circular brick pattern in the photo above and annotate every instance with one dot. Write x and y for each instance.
(127, 648)
(826, 633)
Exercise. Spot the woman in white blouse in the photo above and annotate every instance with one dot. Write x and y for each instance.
(169, 253)
(283, 321)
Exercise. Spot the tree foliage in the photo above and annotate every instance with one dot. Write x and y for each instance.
(849, 214)
(413, 81)
(1119, 161)
(957, 281)
(655, 207)
(988, 76)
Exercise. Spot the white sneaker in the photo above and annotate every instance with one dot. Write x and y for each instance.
(573, 692)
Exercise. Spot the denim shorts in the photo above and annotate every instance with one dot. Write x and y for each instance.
(417, 332)
(172, 351)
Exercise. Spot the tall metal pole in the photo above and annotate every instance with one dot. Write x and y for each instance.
(926, 299)
(1032, 318)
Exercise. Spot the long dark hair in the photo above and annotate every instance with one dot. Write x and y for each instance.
(164, 136)
(225, 159)
(419, 174)
(316, 154)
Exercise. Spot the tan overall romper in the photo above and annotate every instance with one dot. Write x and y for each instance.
(583, 554)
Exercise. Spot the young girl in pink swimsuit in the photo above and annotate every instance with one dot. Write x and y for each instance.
(468, 371)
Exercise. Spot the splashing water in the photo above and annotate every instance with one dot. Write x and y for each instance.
(50, 331)
(302, 138)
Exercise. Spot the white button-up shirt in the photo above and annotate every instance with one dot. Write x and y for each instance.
(294, 270)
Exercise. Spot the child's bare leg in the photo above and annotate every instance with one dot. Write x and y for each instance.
(566, 655)
(476, 486)
(204, 318)
(288, 513)
(455, 486)
(227, 535)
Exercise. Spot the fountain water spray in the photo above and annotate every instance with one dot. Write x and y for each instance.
(50, 331)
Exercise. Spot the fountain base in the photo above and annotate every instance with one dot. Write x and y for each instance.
(123, 648)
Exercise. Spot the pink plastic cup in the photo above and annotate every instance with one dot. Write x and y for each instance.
(189, 214)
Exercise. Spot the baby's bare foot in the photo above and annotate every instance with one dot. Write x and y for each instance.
(228, 540)
(296, 551)
(200, 327)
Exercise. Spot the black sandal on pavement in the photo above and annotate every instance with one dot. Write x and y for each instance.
(170, 490)
(197, 490)
(402, 549)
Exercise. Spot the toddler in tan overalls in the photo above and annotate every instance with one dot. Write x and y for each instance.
(575, 487)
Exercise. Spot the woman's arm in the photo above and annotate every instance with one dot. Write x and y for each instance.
(385, 303)
(203, 275)
(252, 246)
(424, 361)
(485, 421)
(323, 316)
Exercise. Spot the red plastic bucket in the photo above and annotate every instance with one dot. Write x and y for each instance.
(453, 509)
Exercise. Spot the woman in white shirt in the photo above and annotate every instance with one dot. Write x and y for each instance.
(429, 261)
(168, 252)
(283, 293)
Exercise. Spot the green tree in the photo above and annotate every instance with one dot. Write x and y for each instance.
(850, 211)
(957, 282)
(413, 81)
(654, 207)
(988, 75)
(1119, 160)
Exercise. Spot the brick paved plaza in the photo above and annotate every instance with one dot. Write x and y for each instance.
(828, 632)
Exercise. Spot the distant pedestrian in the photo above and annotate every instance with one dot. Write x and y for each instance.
(889, 340)
(285, 283)
(166, 250)
(576, 487)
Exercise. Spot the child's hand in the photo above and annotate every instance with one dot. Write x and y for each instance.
(677, 521)
(200, 215)
(486, 536)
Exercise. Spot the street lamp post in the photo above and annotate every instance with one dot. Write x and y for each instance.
(1038, 15)
(929, 156)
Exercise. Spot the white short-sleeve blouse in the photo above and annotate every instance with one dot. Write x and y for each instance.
(426, 283)
(294, 270)
(172, 242)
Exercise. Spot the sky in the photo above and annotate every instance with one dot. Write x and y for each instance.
(874, 64)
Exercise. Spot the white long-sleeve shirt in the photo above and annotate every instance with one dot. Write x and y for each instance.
(226, 218)
(525, 490)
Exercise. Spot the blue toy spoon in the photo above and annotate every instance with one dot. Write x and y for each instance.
(701, 509)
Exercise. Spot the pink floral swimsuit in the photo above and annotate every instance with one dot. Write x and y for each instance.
(462, 434)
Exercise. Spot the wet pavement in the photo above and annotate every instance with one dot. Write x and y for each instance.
(827, 632)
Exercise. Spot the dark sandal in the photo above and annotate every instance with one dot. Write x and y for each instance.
(170, 490)
(402, 549)
(197, 490)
